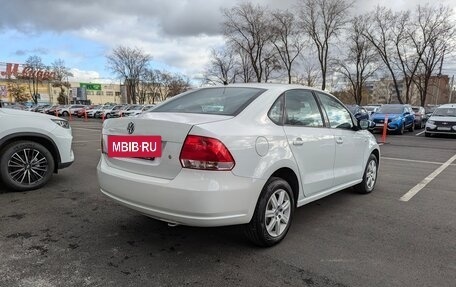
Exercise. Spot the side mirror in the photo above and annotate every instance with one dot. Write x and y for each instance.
(406, 113)
(365, 124)
(357, 114)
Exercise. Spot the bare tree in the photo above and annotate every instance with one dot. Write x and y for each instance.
(248, 28)
(129, 64)
(390, 34)
(33, 73)
(244, 66)
(222, 68)
(287, 40)
(360, 63)
(61, 75)
(322, 21)
(432, 33)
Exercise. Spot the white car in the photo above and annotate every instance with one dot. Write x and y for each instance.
(442, 121)
(239, 154)
(33, 146)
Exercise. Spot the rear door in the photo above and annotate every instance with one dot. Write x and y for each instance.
(312, 144)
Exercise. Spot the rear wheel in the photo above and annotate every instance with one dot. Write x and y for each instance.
(26, 165)
(273, 213)
(369, 177)
(412, 127)
(65, 114)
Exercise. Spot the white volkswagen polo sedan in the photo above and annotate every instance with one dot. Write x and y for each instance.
(239, 154)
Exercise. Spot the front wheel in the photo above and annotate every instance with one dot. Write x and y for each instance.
(273, 214)
(26, 165)
(369, 177)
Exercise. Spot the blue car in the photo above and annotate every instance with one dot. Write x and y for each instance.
(400, 118)
(360, 113)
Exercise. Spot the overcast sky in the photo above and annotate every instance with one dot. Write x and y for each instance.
(178, 34)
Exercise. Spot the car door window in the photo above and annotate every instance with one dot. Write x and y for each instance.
(338, 115)
(276, 111)
(301, 109)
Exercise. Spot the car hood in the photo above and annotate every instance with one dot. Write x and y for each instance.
(380, 116)
(19, 113)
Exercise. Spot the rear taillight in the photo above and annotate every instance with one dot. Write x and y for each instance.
(205, 153)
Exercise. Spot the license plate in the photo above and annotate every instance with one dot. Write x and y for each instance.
(379, 125)
(444, 129)
(134, 146)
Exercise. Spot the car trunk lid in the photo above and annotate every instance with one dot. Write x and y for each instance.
(173, 129)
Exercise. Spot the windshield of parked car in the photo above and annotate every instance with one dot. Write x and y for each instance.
(444, 112)
(390, 110)
(218, 101)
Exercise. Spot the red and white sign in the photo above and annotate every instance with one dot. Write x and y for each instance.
(14, 71)
(134, 146)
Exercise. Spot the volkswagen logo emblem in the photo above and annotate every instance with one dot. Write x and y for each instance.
(130, 128)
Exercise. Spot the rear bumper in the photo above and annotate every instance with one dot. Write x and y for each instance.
(193, 197)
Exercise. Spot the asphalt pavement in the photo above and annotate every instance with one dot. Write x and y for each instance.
(69, 234)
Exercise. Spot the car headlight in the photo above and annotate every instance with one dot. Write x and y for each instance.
(430, 122)
(61, 122)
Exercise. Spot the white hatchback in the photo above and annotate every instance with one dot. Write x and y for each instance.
(33, 146)
(239, 154)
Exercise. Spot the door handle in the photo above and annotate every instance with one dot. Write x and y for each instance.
(340, 140)
(298, 141)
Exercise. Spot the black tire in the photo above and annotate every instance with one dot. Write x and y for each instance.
(370, 173)
(426, 134)
(402, 129)
(26, 165)
(65, 114)
(108, 116)
(412, 127)
(256, 230)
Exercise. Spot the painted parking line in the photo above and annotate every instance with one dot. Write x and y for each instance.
(420, 133)
(415, 161)
(412, 192)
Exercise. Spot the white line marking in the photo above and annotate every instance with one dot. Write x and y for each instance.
(420, 133)
(412, 192)
(413, 160)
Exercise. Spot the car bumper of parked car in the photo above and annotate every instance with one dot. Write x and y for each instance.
(193, 197)
(430, 128)
(392, 127)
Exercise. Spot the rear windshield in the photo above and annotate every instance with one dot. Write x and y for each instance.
(228, 101)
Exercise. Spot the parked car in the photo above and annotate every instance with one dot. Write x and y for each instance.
(420, 117)
(359, 112)
(32, 148)
(442, 121)
(81, 112)
(400, 118)
(40, 108)
(371, 109)
(240, 154)
(137, 110)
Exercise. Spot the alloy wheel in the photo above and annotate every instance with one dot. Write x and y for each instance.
(27, 166)
(371, 174)
(277, 214)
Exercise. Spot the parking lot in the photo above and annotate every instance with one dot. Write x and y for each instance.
(402, 234)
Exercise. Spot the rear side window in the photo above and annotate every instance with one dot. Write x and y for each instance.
(301, 109)
(228, 101)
